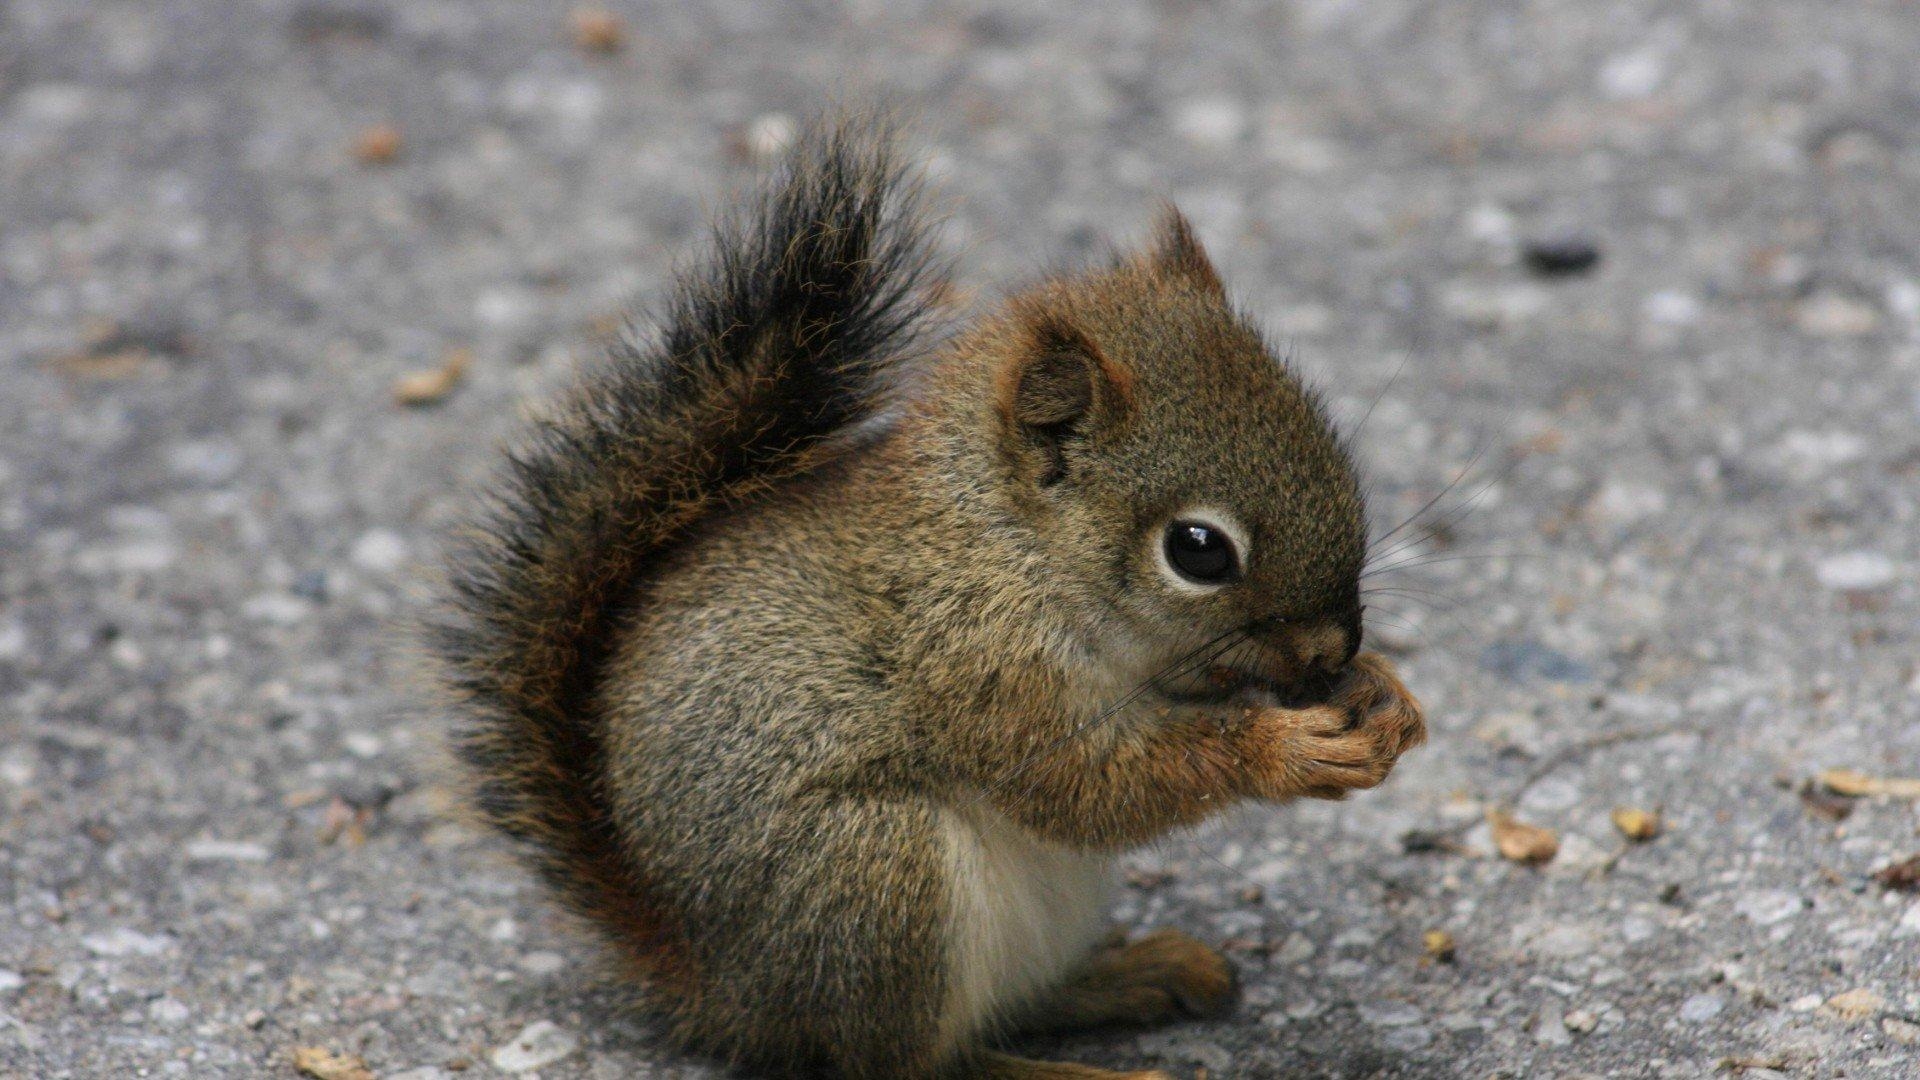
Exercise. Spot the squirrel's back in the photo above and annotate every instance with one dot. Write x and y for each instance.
(783, 338)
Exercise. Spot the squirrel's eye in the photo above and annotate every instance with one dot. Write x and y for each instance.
(1201, 553)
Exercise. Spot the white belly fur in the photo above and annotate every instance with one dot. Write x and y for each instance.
(1025, 913)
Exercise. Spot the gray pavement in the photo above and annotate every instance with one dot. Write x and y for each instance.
(1678, 573)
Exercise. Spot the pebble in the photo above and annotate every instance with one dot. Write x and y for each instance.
(1671, 308)
(1904, 1032)
(539, 1044)
(767, 135)
(1855, 1005)
(1563, 256)
(1623, 502)
(1855, 571)
(1702, 1007)
(542, 963)
(169, 1012)
(1768, 906)
(10, 981)
(226, 851)
(125, 942)
(379, 550)
(1214, 122)
(1635, 73)
(1832, 315)
(278, 609)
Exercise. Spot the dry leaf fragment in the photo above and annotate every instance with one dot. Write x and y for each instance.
(1635, 824)
(428, 387)
(323, 1064)
(1519, 841)
(598, 30)
(377, 145)
(1902, 876)
(1858, 784)
(1439, 945)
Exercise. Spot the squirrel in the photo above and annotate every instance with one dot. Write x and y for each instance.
(826, 664)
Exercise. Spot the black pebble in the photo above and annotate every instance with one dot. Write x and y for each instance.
(1562, 256)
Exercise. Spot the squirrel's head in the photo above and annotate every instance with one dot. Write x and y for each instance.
(1179, 474)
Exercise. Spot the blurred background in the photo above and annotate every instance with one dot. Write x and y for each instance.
(1627, 290)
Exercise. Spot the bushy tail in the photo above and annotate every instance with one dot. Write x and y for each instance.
(782, 337)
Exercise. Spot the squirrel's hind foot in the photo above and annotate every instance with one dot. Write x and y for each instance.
(1163, 977)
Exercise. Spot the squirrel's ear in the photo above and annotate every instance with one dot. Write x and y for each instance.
(1058, 386)
(1177, 251)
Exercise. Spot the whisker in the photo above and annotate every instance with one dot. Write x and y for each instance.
(1415, 516)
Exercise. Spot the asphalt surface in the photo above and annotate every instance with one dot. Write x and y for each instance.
(1676, 573)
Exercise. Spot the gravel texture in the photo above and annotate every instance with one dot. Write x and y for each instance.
(1676, 571)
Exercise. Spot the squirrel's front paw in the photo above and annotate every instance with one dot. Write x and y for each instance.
(1349, 741)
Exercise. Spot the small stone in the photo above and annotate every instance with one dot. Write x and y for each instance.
(1855, 1005)
(1904, 1032)
(10, 981)
(1835, 316)
(1622, 502)
(277, 609)
(1563, 256)
(1635, 824)
(1439, 946)
(539, 1044)
(543, 963)
(1213, 122)
(1580, 1021)
(768, 136)
(125, 942)
(1805, 1003)
(377, 145)
(169, 1012)
(1855, 571)
(1769, 906)
(1671, 308)
(226, 851)
(1636, 73)
(381, 551)
(1702, 1007)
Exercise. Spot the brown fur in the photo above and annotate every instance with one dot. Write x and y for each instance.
(753, 640)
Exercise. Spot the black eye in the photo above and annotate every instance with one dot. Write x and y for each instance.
(1201, 553)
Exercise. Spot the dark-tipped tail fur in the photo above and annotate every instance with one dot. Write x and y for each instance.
(784, 336)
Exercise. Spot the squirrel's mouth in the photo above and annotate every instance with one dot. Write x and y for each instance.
(1221, 684)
